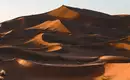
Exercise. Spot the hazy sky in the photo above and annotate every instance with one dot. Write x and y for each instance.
(14, 8)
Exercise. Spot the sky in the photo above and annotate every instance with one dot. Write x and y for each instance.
(14, 8)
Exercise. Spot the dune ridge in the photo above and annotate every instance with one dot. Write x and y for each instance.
(55, 25)
(64, 12)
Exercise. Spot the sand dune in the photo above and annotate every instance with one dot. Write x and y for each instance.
(23, 69)
(66, 43)
(55, 25)
(64, 12)
(37, 41)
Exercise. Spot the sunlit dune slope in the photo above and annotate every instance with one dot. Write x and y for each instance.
(64, 12)
(54, 26)
(38, 41)
(117, 71)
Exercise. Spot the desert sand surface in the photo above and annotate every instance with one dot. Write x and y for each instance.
(66, 43)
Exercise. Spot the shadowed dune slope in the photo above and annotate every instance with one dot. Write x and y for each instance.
(23, 70)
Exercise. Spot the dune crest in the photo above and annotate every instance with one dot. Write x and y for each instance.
(53, 26)
(64, 12)
(38, 42)
(5, 33)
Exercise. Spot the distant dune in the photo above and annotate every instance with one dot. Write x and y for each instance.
(66, 43)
